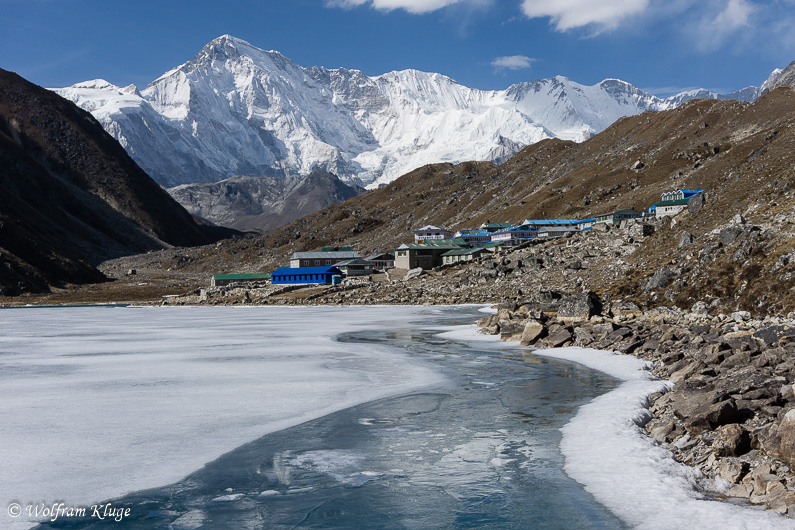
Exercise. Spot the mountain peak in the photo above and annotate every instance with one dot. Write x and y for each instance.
(228, 39)
(237, 109)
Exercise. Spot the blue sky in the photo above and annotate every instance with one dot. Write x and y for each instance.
(658, 45)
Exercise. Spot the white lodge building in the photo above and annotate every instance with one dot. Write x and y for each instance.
(431, 232)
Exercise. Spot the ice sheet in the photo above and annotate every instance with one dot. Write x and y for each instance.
(97, 402)
(608, 452)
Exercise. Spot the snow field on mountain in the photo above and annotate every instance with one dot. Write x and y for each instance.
(235, 109)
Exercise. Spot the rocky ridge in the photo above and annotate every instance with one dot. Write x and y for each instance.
(262, 203)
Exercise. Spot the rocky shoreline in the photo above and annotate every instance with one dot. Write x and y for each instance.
(731, 410)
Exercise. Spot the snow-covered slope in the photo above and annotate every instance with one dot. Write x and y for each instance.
(236, 109)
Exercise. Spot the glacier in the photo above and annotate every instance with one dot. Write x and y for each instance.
(235, 109)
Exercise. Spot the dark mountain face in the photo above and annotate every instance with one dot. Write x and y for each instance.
(71, 196)
(262, 203)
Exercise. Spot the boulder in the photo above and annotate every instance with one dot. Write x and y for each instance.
(733, 471)
(729, 235)
(731, 440)
(413, 273)
(778, 439)
(685, 239)
(625, 309)
(658, 280)
(695, 203)
(511, 330)
(533, 330)
(708, 417)
(772, 334)
(579, 307)
(558, 335)
(741, 491)
(661, 432)
(779, 498)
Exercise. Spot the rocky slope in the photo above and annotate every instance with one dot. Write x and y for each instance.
(72, 197)
(262, 203)
(235, 109)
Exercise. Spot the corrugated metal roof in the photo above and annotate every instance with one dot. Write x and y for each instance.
(463, 251)
(242, 276)
(558, 229)
(340, 254)
(431, 227)
(549, 222)
(418, 246)
(671, 203)
(352, 262)
(293, 271)
(520, 228)
(384, 256)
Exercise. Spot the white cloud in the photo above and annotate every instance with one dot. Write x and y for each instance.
(570, 14)
(720, 22)
(512, 62)
(412, 6)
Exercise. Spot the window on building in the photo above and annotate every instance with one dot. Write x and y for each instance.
(317, 262)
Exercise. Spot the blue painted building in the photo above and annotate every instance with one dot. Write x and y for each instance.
(308, 275)
(515, 235)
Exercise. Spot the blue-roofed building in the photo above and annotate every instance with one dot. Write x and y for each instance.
(305, 275)
(474, 237)
(515, 235)
(548, 223)
(677, 195)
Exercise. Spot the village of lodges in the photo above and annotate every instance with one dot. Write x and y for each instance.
(435, 246)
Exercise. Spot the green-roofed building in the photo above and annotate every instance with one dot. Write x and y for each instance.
(462, 254)
(413, 255)
(219, 280)
(670, 208)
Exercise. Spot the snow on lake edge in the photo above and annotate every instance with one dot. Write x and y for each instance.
(607, 451)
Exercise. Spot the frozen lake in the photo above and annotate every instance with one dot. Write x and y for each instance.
(322, 417)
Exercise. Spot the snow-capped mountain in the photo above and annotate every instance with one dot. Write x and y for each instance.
(236, 109)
